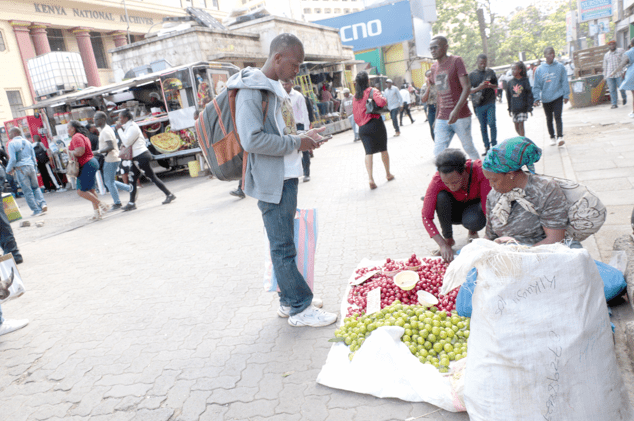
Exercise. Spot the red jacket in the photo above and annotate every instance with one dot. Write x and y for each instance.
(358, 106)
(479, 189)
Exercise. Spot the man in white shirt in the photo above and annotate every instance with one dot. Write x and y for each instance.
(302, 122)
(406, 101)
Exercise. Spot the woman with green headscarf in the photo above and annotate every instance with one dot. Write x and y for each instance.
(522, 206)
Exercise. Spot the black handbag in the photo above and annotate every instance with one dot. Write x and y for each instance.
(372, 108)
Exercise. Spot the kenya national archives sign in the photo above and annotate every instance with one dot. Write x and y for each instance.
(90, 14)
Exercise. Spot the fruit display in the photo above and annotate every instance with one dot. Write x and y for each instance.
(434, 337)
(430, 273)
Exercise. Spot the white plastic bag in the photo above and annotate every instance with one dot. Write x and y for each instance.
(384, 367)
(541, 346)
(11, 286)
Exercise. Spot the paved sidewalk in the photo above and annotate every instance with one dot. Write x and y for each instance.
(159, 314)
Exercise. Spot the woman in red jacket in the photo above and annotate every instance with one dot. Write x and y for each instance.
(458, 194)
(371, 127)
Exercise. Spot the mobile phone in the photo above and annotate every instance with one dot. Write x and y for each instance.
(325, 137)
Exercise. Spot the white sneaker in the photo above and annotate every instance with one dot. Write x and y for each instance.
(560, 141)
(285, 311)
(553, 141)
(631, 115)
(313, 317)
(12, 325)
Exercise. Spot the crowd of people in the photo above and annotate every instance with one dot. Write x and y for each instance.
(499, 193)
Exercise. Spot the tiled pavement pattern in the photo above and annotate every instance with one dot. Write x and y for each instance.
(159, 314)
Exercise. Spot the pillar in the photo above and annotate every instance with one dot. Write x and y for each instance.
(87, 55)
(120, 39)
(23, 37)
(40, 39)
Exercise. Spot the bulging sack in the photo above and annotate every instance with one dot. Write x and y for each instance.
(541, 346)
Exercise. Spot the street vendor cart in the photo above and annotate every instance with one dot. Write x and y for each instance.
(163, 104)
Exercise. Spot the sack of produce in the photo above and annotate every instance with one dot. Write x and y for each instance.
(541, 346)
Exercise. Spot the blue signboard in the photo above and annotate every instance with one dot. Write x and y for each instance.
(594, 9)
(372, 28)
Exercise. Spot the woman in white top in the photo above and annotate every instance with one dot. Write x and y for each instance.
(108, 147)
(130, 134)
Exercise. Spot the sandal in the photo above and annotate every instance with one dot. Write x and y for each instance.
(96, 216)
(391, 177)
(372, 185)
(103, 207)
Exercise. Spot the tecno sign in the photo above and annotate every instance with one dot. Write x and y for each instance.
(372, 28)
(361, 30)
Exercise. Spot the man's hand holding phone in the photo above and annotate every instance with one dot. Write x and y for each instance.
(312, 139)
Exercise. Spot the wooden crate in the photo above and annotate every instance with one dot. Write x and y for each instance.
(589, 61)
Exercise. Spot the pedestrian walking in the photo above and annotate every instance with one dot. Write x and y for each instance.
(371, 126)
(273, 169)
(394, 102)
(22, 163)
(483, 83)
(519, 96)
(552, 90)
(407, 99)
(131, 136)
(81, 152)
(628, 82)
(4, 161)
(430, 103)
(452, 88)
(9, 245)
(108, 147)
(611, 60)
(42, 158)
(346, 108)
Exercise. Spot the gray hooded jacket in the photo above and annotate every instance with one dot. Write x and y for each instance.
(266, 143)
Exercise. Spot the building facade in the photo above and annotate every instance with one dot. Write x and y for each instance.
(324, 9)
(88, 27)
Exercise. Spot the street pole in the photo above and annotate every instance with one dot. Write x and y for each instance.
(127, 19)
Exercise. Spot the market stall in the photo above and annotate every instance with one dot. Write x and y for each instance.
(163, 105)
(528, 352)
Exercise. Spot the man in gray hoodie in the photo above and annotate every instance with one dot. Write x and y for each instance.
(274, 164)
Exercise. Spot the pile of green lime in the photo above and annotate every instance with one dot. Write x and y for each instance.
(434, 337)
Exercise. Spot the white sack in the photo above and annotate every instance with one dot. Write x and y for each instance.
(541, 346)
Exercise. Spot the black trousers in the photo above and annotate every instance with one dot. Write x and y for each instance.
(405, 109)
(452, 212)
(554, 109)
(141, 165)
(7, 240)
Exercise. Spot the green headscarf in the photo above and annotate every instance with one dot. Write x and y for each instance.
(511, 155)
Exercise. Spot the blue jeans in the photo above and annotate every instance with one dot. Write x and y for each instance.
(486, 116)
(613, 84)
(279, 223)
(394, 117)
(355, 128)
(443, 133)
(109, 170)
(28, 182)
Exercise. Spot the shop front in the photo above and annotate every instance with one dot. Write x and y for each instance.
(90, 27)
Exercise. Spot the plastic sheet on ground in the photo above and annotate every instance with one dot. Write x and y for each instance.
(384, 367)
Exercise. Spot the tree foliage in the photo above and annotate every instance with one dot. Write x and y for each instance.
(528, 29)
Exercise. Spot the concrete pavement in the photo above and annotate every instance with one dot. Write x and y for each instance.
(159, 314)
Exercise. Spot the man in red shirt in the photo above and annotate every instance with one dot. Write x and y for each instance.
(451, 79)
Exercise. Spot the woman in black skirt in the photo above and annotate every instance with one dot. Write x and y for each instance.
(371, 127)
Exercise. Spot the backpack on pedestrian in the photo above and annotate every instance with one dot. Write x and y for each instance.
(218, 137)
(40, 154)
